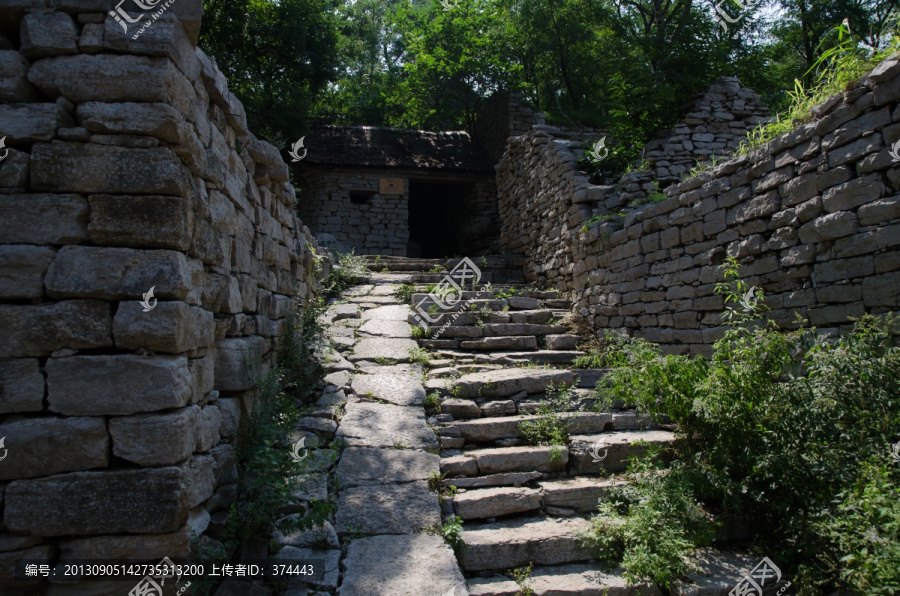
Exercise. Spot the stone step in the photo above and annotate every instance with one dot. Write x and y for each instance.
(507, 427)
(513, 543)
(528, 342)
(578, 494)
(577, 579)
(553, 357)
(613, 450)
(469, 318)
(507, 459)
(506, 479)
(498, 501)
(506, 382)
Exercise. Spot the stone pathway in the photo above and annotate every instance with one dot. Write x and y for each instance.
(519, 504)
(383, 539)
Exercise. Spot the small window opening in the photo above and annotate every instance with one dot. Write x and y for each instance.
(361, 197)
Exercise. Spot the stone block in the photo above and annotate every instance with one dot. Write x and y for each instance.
(93, 168)
(48, 34)
(152, 119)
(172, 327)
(141, 221)
(38, 330)
(149, 501)
(117, 385)
(829, 227)
(155, 439)
(118, 273)
(852, 194)
(21, 386)
(22, 270)
(43, 219)
(14, 171)
(230, 411)
(843, 269)
(175, 544)
(881, 290)
(880, 211)
(45, 446)
(232, 358)
(163, 36)
(27, 123)
(110, 78)
(206, 429)
(200, 477)
(14, 85)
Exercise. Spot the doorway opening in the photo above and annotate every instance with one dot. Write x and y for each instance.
(435, 213)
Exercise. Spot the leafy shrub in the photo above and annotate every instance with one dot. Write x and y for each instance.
(432, 403)
(774, 428)
(347, 270)
(451, 530)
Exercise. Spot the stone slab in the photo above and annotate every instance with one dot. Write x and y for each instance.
(367, 424)
(384, 328)
(364, 466)
(405, 565)
(50, 445)
(502, 383)
(513, 543)
(398, 312)
(400, 389)
(371, 348)
(494, 502)
(387, 509)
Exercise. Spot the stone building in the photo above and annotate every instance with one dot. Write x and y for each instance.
(381, 190)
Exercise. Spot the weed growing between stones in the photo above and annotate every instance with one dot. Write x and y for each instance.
(788, 430)
(521, 575)
(418, 332)
(420, 356)
(435, 485)
(347, 270)
(404, 292)
(451, 531)
(433, 403)
(549, 427)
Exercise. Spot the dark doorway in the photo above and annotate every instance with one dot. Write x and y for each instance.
(435, 210)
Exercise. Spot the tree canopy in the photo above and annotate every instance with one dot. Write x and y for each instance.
(624, 65)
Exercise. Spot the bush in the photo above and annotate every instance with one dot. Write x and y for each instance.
(774, 427)
(348, 269)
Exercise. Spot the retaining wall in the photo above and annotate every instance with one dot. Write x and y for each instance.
(130, 166)
(813, 216)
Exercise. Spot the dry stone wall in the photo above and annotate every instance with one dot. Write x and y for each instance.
(130, 166)
(813, 217)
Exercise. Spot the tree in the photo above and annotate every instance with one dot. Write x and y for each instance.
(276, 55)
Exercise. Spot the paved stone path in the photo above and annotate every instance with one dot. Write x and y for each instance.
(382, 540)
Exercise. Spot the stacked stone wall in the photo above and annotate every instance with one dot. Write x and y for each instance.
(813, 217)
(716, 123)
(504, 115)
(130, 166)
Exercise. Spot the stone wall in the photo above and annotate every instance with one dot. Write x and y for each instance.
(346, 204)
(717, 121)
(504, 115)
(813, 216)
(130, 166)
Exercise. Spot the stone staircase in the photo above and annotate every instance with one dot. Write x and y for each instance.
(501, 354)
(418, 412)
